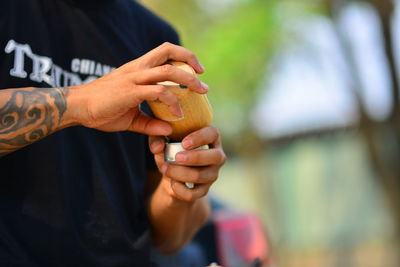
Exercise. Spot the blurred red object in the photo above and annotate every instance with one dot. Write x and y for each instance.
(240, 239)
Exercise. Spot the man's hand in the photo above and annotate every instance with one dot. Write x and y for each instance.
(111, 103)
(175, 211)
(200, 167)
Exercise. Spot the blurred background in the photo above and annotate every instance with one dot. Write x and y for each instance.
(306, 96)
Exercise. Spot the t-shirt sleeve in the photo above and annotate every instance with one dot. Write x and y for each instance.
(157, 29)
(166, 33)
(171, 35)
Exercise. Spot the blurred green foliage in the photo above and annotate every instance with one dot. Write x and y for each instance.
(234, 42)
(314, 193)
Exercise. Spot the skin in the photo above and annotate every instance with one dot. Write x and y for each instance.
(174, 206)
(111, 104)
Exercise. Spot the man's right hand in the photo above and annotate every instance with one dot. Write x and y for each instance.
(111, 103)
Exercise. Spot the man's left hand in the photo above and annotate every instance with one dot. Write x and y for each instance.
(200, 167)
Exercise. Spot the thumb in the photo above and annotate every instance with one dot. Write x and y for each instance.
(149, 126)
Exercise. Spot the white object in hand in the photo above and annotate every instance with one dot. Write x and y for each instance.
(174, 148)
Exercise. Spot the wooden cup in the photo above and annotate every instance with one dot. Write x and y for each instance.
(197, 113)
(196, 108)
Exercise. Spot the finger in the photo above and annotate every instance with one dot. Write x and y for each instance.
(157, 144)
(170, 73)
(162, 94)
(186, 194)
(203, 157)
(160, 162)
(206, 175)
(167, 51)
(206, 136)
(149, 126)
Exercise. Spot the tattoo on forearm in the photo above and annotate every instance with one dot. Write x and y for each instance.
(29, 115)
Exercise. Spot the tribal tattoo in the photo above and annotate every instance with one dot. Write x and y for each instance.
(29, 115)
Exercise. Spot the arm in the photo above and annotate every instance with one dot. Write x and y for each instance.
(175, 211)
(174, 222)
(110, 103)
(29, 114)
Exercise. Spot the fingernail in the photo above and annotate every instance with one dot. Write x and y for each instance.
(187, 143)
(202, 67)
(205, 86)
(180, 157)
(155, 143)
(180, 112)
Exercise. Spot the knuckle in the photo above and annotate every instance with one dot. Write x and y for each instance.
(169, 172)
(166, 44)
(190, 196)
(166, 69)
(197, 177)
(223, 158)
(160, 89)
(193, 80)
(191, 55)
(221, 155)
(204, 192)
(214, 177)
(215, 130)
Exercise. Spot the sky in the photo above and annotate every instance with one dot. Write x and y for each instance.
(311, 87)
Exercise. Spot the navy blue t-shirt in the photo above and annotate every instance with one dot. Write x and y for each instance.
(75, 198)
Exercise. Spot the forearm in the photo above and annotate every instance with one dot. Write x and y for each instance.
(30, 114)
(174, 222)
